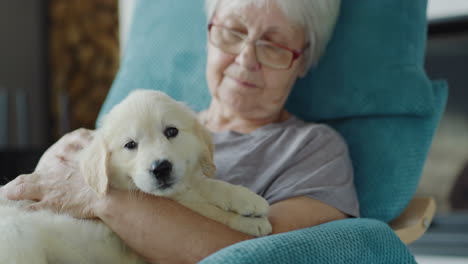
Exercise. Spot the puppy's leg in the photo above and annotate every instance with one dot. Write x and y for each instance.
(234, 198)
(255, 226)
(235, 206)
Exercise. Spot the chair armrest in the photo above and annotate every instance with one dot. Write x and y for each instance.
(415, 219)
(345, 241)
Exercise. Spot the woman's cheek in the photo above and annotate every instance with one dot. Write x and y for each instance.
(216, 65)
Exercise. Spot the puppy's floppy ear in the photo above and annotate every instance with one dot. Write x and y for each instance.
(94, 165)
(206, 159)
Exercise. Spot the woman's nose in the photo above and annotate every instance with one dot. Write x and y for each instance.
(247, 57)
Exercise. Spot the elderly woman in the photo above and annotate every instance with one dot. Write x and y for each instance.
(257, 49)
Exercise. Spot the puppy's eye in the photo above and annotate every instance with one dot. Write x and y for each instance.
(171, 132)
(131, 145)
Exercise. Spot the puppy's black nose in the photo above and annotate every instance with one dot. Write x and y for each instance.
(161, 169)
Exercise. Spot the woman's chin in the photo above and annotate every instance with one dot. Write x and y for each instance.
(239, 103)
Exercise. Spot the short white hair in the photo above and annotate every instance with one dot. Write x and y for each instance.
(317, 17)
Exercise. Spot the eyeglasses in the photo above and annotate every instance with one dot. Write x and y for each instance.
(268, 54)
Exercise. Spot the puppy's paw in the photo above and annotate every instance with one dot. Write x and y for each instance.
(252, 226)
(247, 203)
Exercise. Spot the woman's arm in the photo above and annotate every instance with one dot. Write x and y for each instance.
(159, 229)
(301, 212)
(164, 231)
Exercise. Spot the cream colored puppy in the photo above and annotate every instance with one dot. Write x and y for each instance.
(149, 143)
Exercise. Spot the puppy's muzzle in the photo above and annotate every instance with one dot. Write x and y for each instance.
(161, 170)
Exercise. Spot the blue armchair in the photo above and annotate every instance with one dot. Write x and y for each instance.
(370, 86)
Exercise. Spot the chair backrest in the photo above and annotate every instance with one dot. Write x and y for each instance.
(370, 86)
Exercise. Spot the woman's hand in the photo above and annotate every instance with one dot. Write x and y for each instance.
(57, 183)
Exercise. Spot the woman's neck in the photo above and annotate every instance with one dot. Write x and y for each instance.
(217, 118)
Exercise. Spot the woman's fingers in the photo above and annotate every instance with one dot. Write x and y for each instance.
(65, 150)
(24, 187)
(43, 205)
(74, 142)
(57, 183)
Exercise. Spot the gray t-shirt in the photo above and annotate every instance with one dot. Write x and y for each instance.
(289, 159)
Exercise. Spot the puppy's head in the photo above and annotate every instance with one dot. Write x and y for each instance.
(150, 142)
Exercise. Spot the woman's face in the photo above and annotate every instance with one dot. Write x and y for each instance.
(239, 81)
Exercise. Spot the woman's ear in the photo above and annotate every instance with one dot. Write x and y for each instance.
(206, 159)
(94, 165)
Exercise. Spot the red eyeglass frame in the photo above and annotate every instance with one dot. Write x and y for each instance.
(296, 54)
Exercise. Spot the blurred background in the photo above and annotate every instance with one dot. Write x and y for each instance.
(445, 175)
(58, 59)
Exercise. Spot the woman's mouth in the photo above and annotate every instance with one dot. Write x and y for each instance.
(244, 83)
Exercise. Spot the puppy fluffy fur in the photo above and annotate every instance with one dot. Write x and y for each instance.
(141, 132)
